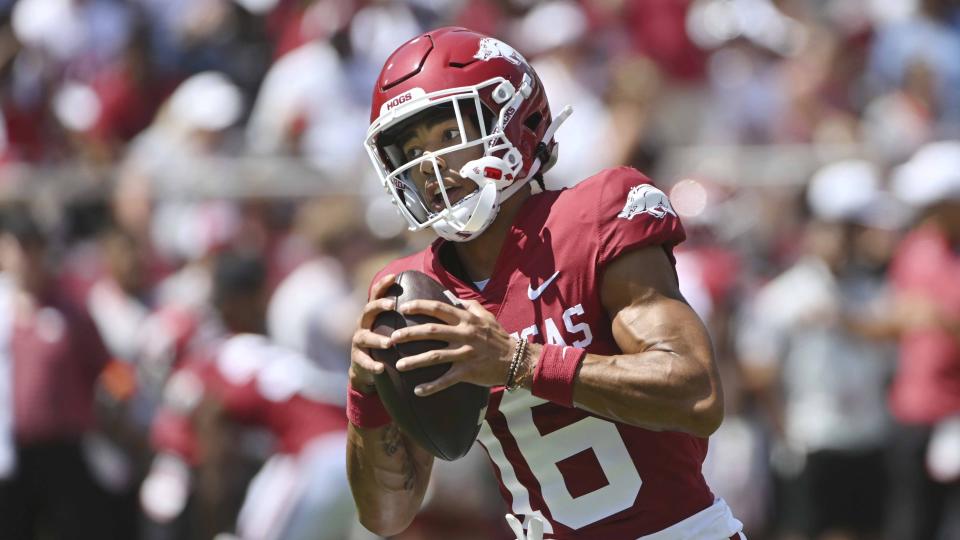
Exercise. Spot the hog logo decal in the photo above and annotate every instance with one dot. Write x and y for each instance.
(494, 48)
(646, 199)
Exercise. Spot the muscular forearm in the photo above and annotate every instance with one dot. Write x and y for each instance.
(388, 476)
(654, 389)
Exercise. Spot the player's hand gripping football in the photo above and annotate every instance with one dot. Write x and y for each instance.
(478, 346)
(362, 366)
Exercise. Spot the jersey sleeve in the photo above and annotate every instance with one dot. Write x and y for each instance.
(241, 402)
(633, 214)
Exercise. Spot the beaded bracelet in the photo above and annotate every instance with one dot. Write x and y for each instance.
(518, 355)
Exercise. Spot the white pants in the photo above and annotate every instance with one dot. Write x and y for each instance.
(716, 522)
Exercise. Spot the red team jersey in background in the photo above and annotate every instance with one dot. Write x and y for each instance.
(257, 384)
(587, 476)
(926, 388)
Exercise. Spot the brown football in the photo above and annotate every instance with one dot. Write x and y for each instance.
(445, 423)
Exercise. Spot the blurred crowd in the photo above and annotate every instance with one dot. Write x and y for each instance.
(189, 227)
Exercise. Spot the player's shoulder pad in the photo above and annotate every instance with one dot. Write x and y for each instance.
(632, 213)
(619, 192)
(629, 193)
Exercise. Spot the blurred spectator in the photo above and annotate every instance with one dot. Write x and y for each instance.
(293, 23)
(630, 97)
(246, 382)
(126, 95)
(925, 398)
(825, 379)
(658, 30)
(375, 31)
(899, 122)
(745, 101)
(307, 107)
(929, 38)
(54, 356)
(560, 60)
(154, 200)
(120, 301)
(319, 324)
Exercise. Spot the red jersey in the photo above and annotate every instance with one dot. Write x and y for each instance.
(926, 388)
(586, 476)
(57, 356)
(257, 384)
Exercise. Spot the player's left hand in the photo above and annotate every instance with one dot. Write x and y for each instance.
(478, 346)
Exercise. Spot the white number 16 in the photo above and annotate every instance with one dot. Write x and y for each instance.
(542, 453)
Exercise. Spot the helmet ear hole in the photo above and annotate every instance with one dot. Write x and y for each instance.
(533, 121)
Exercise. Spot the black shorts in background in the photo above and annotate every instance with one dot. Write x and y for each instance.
(52, 495)
(843, 491)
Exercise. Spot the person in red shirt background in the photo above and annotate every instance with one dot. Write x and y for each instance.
(925, 395)
(54, 355)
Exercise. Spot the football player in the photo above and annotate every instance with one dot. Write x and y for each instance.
(242, 381)
(604, 388)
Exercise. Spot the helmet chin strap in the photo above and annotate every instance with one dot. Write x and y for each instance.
(482, 213)
(472, 215)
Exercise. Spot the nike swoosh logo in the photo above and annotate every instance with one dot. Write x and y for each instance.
(533, 294)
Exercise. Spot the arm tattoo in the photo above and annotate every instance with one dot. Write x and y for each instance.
(409, 475)
(393, 442)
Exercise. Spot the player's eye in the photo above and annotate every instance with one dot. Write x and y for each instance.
(413, 153)
(451, 135)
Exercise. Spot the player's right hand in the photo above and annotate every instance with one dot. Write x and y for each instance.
(362, 366)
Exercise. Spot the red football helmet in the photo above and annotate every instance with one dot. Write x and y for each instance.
(465, 75)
